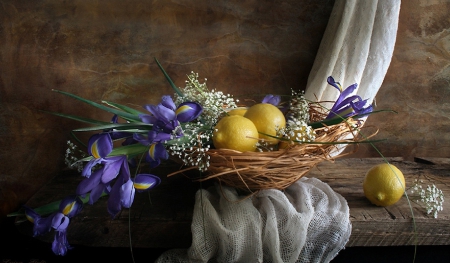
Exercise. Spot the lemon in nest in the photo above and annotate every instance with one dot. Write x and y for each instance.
(384, 184)
(235, 132)
(238, 111)
(267, 119)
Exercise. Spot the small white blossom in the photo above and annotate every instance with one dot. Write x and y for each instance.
(431, 198)
(72, 157)
(214, 102)
(297, 128)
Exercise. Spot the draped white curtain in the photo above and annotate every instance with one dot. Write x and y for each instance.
(357, 47)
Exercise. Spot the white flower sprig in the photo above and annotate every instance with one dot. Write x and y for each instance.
(73, 155)
(431, 197)
(193, 146)
(214, 102)
(297, 127)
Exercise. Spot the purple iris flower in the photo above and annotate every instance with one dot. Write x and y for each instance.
(99, 146)
(156, 151)
(272, 99)
(41, 225)
(59, 221)
(346, 105)
(120, 195)
(71, 206)
(60, 244)
(101, 179)
(94, 185)
(152, 137)
(163, 115)
(144, 182)
(188, 111)
(166, 117)
(113, 166)
(123, 192)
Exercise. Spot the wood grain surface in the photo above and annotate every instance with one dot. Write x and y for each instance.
(162, 217)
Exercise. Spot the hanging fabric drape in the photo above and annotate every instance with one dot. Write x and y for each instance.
(357, 47)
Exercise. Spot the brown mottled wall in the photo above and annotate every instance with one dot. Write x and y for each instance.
(104, 50)
(417, 85)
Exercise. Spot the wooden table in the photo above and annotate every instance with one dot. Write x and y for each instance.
(161, 218)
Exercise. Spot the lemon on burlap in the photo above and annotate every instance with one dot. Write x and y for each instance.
(267, 119)
(235, 132)
(238, 111)
(384, 184)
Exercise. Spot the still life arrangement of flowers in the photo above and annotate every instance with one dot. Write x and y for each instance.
(248, 147)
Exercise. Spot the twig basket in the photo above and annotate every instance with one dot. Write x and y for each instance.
(253, 171)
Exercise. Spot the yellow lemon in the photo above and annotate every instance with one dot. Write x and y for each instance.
(384, 184)
(267, 119)
(238, 111)
(235, 132)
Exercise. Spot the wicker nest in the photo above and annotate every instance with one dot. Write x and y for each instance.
(253, 171)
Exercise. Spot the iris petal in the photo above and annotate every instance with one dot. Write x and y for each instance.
(158, 151)
(43, 225)
(127, 192)
(31, 215)
(96, 193)
(60, 222)
(272, 99)
(100, 145)
(89, 183)
(71, 206)
(112, 167)
(346, 105)
(114, 203)
(167, 102)
(161, 112)
(144, 182)
(60, 245)
(154, 136)
(188, 111)
(149, 119)
(87, 169)
(335, 84)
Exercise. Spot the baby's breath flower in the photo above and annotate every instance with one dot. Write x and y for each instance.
(431, 198)
(73, 155)
(214, 102)
(297, 128)
(192, 147)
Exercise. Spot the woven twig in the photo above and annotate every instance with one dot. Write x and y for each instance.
(253, 171)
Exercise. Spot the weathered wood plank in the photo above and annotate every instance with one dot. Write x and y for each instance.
(162, 219)
(393, 225)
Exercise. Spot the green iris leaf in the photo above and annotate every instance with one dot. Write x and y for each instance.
(125, 115)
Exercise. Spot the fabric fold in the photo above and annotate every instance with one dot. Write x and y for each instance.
(308, 222)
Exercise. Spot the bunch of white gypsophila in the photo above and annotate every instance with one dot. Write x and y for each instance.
(72, 157)
(297, 119)
(192, 147)
(213, 102)
(431, 198)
